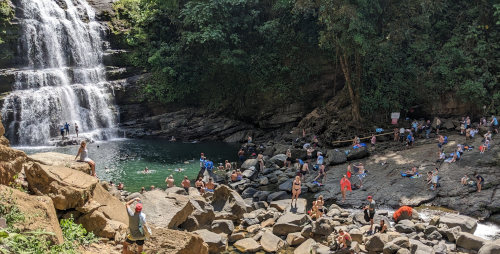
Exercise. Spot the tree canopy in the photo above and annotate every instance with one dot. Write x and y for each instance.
(390, 55)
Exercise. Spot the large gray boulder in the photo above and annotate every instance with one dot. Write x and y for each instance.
(467, 224)
(270, 242)
(356, 154)
(311, 246)
(277, 196)
(222, 226)
(490, 248)
(247, 245)
(290, 223)
(335, 157)
(229, 201)
(417, 247)
(286, 186)
(405, 226)
(249, 163)
(216, 242)
(278, 159)
(470, 242)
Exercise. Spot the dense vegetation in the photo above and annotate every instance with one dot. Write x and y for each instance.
(389, 55)
(13, 240)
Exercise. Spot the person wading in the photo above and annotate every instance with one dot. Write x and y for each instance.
(137, 230)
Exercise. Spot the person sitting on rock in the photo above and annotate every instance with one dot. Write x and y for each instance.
(210, 186)
(442, 156)
(465, 180)
(186, 184)
(227, 165)
(83, 153)
(344, 240)
(412, 172)
(356, 141)
(239, 175)
(315, 213)
(320, 205)
(303, 171)
(170, 181)
(382, 228)
(234, 176)
(440, 141)
(200, 186)
(120, 186)
(143, 190)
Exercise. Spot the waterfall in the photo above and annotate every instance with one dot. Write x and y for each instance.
(62, 78)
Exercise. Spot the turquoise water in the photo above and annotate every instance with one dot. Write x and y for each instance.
(124, 160)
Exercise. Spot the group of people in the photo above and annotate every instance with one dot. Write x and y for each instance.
(64, 129)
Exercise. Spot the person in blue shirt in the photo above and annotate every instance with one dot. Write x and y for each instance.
(409, 139)
(494, 123)
(66, 128)
(319, 161)
(62, 130)
(209, 165)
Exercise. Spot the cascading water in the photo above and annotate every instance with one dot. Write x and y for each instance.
(64, 79)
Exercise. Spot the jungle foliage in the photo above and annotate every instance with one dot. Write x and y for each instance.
(389, 54)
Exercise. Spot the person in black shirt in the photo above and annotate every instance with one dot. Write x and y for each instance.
(480, 181)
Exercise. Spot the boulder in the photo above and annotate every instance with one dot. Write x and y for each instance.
(216, 242)
(277, 196)
(390, 248)
(289, 223)
(270, 242)
(249, 163)
(229, 201)
(286, 186)
(236, 236)
(166, 241)
(335, 157)
(61, 160)
(201, 216)
(261, 195)
(285, 205)
(176, 190)
(247, 245)
(278, 159)
(435, 235)
(248, 192)
(38, 211)
(167, 210)
(104, 214)
(356, 235)
(248, 173)
(11, 163)
(417, 247)
(263, 180)
(311, 246)
(68, 188)
(322, 226)
(490, 248)
(405, 226)
(357, 154)
(294, 239)
(222, 226)
(467, 224)
(376, 243)
(469, 241)
(452, 233)
(312, 187)
(268, 223)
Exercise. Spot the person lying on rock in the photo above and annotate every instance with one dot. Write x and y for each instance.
(138, 229)
(412, 172)
(344, 240)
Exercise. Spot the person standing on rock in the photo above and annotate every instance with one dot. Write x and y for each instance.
(438, 125)
(62, 131)
(494, 124)
(138, 230)
(345, 185)
(83, 152)
(321, 174)
(370, 211)
(66, 128)
(170, 181)
(304, 170)
(480, 181)
(76, 129)
(241, 155)
(209, 166)
(210, 186)
(260, 161)
(296, 189)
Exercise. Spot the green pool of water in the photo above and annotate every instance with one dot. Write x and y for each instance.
(124, 160)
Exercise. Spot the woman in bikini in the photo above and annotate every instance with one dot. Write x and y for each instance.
(83, 153)
(320, 206)
(296, 186)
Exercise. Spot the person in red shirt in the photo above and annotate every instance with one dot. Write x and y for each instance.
(345, 185)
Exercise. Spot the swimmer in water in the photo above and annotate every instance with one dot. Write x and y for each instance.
(146, 170)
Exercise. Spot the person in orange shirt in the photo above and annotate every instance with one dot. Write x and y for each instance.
(345, 185)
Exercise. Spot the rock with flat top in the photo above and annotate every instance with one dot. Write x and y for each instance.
(61, 160)
(270, 242)
(216, 242)
(470, 242)
(247, 245)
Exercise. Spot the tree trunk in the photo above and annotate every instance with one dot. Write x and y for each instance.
(352, 86)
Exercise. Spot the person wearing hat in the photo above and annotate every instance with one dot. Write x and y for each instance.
(370, 211)
(137, 226)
